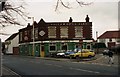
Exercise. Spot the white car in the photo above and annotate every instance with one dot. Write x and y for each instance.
(60, 54)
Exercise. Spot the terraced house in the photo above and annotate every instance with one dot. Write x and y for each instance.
(55, 37)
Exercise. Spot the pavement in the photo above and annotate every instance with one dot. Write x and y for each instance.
(6, 72)
(98, 59)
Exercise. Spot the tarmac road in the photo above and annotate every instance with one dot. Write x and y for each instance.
(38, 66)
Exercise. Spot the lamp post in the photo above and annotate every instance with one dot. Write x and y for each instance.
(33, 34)
(97, 36)
(97, 40)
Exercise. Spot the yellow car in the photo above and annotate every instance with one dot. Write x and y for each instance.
(84, 53)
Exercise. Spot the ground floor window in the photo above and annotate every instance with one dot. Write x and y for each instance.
(64, 47)
(52, 47)
(88, 46)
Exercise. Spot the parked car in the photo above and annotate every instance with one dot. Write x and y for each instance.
(68, 53)
(83, 53)
(77, 50)
(60, 54)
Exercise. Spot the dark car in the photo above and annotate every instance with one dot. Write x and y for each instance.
(68, 53)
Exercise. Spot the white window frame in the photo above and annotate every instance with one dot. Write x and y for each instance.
(52, 44)
(78, 31)
(36, 33)
(64, 30)
(50, 34)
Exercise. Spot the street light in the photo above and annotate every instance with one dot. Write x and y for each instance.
(33, 34)
(97, 40)
(97, 36)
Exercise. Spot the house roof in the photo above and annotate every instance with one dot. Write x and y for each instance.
(110, 34)
(12, 36)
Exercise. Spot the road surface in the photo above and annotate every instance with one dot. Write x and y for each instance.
(38, 66)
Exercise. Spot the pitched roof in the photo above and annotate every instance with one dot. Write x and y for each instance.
(12, 36)
(110, 34)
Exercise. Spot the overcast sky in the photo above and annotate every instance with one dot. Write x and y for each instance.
(103, 14)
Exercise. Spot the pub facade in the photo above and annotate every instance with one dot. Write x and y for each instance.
(50, 37)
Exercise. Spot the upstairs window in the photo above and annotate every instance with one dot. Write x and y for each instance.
(78, 31)
(52, 32)
(26, 33)
(64, 32)
(36, 33)
(31, 33)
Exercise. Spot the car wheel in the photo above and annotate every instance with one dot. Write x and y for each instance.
(89, 56)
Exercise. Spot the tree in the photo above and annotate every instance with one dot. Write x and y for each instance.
(67, 4)
(10, 10)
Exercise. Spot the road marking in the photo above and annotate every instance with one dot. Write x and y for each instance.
(84, 70)
(109, 65)
(54, 65)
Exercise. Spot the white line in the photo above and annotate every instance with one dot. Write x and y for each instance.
(98, 64)
(84, 70)
(54, 65)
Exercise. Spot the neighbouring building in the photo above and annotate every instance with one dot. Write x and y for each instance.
(55, 37)
(12, 44)
(110, 38)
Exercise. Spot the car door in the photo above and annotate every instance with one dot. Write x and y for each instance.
(85, 54)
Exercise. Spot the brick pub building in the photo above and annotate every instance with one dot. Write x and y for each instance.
(55, 37)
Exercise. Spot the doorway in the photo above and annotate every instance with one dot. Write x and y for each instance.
(42, 52)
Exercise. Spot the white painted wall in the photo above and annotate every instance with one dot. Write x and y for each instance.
(14, 43)
(107, 40)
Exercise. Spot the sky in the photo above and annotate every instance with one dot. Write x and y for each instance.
(103, 14)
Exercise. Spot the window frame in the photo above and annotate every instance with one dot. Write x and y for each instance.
(52, 32)
(78, 31)
(62, 31)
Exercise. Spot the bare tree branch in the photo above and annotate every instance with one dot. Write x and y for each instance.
(62, 3)
(57, 5)
(66, 6)
(81, 3)
(9, 14)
